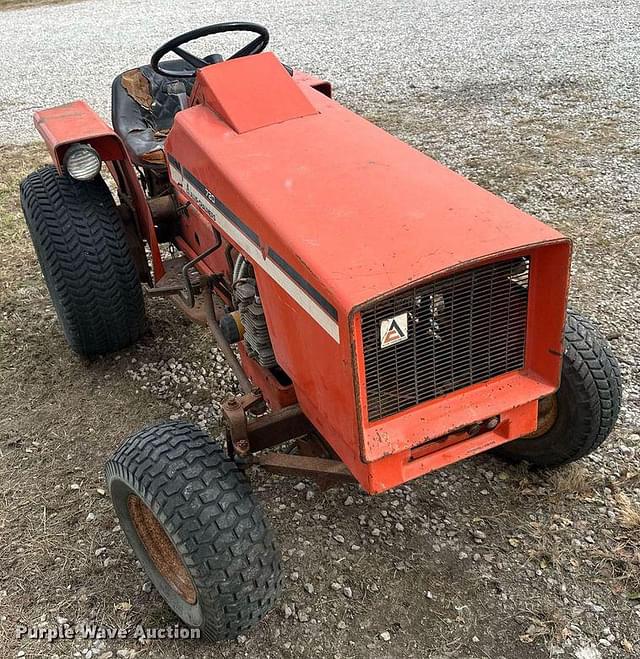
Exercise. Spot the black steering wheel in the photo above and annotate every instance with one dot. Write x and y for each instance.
(255, 46)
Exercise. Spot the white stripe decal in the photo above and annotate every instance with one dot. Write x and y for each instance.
(253, 251)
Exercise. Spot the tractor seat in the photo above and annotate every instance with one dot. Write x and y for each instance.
(142, 111)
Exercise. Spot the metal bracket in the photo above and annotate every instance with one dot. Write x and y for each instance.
(244, 437)
(234, 412)
(172, 283)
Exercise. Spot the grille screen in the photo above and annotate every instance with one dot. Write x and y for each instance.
(445, 335)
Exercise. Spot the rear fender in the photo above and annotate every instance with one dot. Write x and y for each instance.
(62, 126)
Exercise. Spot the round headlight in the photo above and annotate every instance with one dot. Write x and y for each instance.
(82, 162)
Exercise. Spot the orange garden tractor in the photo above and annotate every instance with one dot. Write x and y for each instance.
(389, 317)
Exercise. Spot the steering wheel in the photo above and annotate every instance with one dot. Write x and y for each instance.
(255, 46)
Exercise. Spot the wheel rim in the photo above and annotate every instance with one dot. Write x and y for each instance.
(160, 550)
(547, 415)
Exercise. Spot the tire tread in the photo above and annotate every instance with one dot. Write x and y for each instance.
(590, 372)
(588, 353)
(83, 252)
(205, 503)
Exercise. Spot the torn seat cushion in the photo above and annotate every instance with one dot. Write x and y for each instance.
(142, 111)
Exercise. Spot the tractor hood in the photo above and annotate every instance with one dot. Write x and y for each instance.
(350, 210)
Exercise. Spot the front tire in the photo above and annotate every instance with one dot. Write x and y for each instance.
(196, 528)
(578, 418)
(83, 252)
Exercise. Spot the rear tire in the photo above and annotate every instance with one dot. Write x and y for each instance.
(190, 516)
(82, 248)
(586, 405)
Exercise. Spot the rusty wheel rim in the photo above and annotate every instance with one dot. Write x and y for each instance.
(547, 415)
(160, 550)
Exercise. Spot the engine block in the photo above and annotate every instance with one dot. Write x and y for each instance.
(256, 333)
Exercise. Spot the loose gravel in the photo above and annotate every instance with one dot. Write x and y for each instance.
(375, 52)
(536, 101)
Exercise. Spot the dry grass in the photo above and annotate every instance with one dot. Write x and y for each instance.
(547, 623)
(7, 5)
(629, 512)
(574, 480)
(17, 254)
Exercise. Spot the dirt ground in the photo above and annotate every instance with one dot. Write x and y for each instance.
(482, 560)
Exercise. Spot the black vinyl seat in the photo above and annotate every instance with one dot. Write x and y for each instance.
(142, 110)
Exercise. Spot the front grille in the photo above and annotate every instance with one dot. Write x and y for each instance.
(447, 335)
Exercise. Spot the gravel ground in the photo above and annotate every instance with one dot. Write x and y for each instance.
(375, 52)
(536, 101)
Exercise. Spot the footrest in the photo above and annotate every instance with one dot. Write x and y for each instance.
(172, 282)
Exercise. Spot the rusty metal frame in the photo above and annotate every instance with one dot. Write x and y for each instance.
(246, 437)
(326, 472)
(234, 412)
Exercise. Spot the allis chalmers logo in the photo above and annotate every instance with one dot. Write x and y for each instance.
(393, 330)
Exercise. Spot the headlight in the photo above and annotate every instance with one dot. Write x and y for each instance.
(82, 162)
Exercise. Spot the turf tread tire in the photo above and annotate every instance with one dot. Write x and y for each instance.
(589, 400)
(205, 504)
(83, 252)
